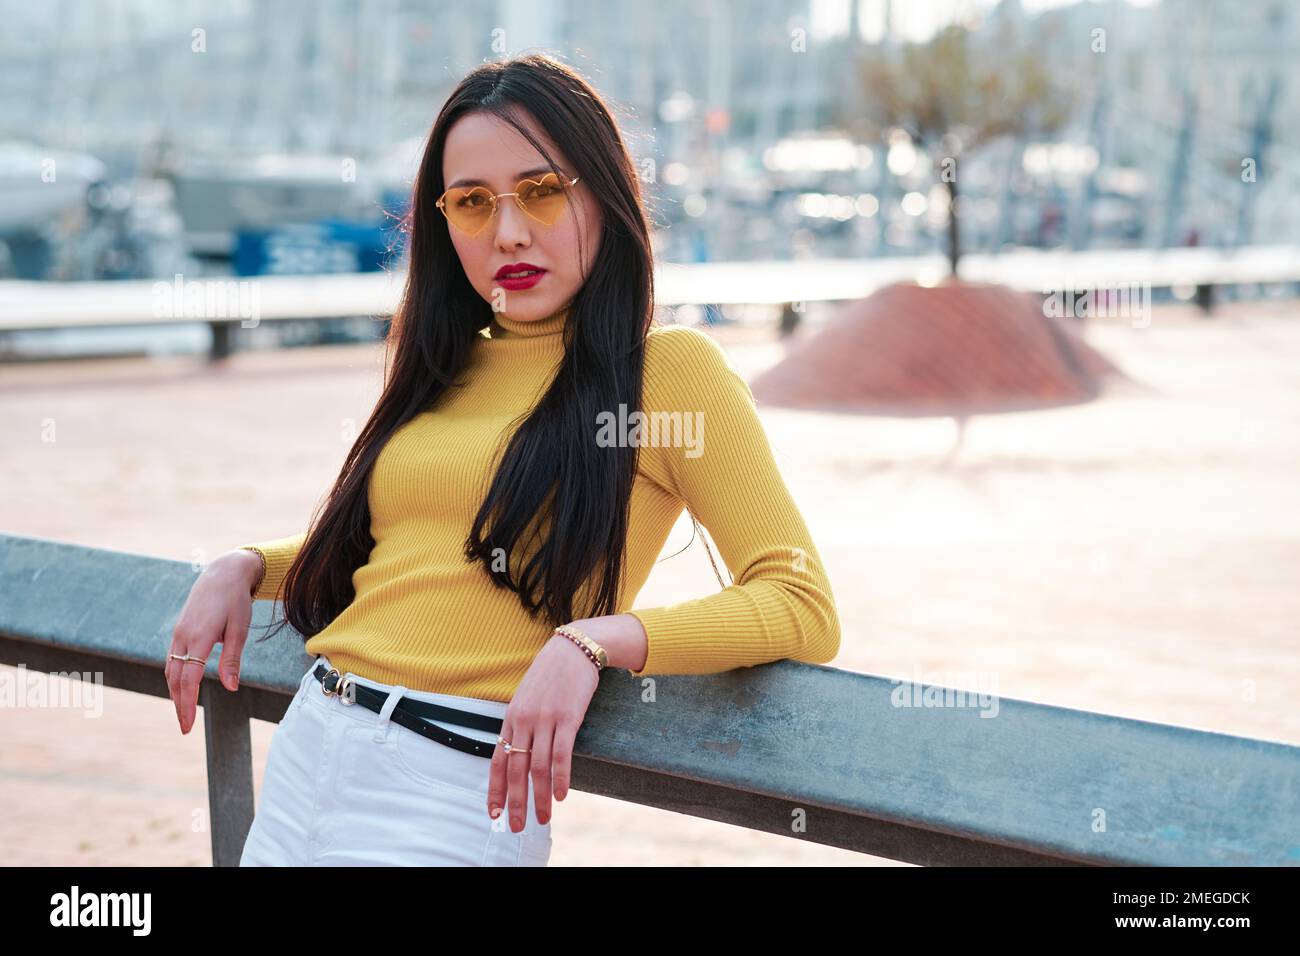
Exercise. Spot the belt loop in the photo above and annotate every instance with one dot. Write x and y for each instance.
(394, 696)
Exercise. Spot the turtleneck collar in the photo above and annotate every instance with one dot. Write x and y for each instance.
(504, 327)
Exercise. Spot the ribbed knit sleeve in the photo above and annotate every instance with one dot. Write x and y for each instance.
(279, 554)
(780, 603)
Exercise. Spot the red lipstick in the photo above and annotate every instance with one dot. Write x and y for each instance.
(519, 275)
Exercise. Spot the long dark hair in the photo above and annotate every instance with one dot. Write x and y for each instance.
(554, 482)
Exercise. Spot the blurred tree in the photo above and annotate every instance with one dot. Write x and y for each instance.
(959, 90)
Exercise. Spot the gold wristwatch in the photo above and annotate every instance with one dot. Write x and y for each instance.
(593, 650)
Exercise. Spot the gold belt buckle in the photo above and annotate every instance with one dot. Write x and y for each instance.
(342, 687)
(346, 691)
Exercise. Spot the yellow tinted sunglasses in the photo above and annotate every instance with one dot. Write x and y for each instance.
(470, 210)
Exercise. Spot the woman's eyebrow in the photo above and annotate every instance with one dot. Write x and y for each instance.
(518, 176)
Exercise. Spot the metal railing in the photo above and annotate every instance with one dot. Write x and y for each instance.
(27, 305)
(809, 752)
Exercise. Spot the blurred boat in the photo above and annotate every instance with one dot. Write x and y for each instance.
(42, 198)
(38, 185)
(221, 196)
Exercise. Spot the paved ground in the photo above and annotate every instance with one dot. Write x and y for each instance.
(1138, 555)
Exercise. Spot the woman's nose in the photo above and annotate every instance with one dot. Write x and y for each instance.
(511, 225)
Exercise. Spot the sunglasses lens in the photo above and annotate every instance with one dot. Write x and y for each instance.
(543, 199)
(468, 209)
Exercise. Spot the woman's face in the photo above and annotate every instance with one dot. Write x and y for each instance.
(483, 150)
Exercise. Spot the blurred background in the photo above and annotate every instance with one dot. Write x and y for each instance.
(1014, 284)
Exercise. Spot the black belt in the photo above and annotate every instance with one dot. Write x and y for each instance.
(409, 713)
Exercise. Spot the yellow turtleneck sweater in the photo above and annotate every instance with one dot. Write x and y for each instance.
(426, 618)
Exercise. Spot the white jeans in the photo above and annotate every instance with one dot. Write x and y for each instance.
(345, 786)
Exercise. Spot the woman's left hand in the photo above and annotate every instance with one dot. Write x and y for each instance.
(544, 715)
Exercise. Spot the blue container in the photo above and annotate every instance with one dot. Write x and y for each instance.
(324, 246)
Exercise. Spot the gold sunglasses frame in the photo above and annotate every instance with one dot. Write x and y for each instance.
(442, 201)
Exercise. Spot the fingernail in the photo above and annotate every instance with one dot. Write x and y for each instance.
(495, 812)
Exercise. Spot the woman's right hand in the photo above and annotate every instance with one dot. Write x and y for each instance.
(219, 608)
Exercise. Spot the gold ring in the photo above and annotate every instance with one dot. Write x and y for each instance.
(511, 748)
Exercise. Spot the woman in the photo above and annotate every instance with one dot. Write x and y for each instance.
(536, 440)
